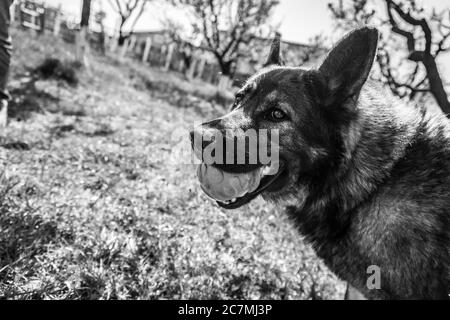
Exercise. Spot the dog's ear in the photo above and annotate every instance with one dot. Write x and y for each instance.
(275, 52)
(347, 66)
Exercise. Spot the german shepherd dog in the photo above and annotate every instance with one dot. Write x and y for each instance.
(364, 177)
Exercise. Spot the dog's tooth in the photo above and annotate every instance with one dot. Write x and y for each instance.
(271, 169)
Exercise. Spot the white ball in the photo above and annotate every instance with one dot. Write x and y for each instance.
(224, 186)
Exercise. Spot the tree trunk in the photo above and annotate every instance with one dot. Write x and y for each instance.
(436, 84)
(122, 38)
(226, 74)
(225, 67)
(82, 43)
(85, 13)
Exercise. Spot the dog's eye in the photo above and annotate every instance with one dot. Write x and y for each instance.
(240, 95)
(276, 115)
(238, 98)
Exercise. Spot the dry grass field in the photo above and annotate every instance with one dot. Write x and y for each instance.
(92, 208)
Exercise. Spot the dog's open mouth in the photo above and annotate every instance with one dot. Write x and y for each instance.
(232, 190)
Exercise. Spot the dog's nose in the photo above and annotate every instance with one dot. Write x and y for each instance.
(201, 137)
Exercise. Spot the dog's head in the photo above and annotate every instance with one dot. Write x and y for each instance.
(308, 111)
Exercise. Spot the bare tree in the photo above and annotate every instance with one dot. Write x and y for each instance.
(227, 24)
(126, 9)
(426, 36)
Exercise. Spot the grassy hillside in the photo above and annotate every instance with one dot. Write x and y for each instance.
(91, 207)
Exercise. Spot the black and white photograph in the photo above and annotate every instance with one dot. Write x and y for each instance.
(245, 152)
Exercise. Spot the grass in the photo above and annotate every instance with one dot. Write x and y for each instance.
(92, 208)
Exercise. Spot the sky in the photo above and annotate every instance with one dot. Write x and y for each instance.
(298, 20)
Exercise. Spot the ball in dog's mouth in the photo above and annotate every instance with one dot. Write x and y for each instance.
(233, 190)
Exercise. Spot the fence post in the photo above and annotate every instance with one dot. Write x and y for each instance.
(192, 67)
(57, 26)
(201, 68)
(132, 43)
(148, 46)
(3, 113)
(212, 76)
(169, 56)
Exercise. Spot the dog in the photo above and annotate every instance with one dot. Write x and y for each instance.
(364, 177)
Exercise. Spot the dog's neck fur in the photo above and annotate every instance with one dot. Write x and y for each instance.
(371, 151)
